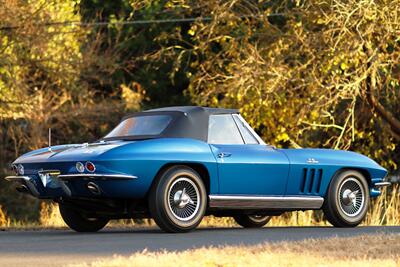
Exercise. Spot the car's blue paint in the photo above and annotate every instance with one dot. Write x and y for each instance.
(329, 162)
(140, 158)
(374, 192)
(251, 169)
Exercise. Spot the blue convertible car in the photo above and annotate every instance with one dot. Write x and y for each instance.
(177, 164)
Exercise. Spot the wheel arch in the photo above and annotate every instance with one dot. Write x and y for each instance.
(361, 170)
(200, 168)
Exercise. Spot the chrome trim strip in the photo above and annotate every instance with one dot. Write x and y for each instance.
(97, 176)
(382, 184)
(265, 202)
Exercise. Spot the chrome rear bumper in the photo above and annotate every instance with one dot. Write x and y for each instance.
(382, 184)
(26, 181)
(51, 183)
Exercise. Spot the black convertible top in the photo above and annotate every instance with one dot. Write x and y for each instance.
(187, 122)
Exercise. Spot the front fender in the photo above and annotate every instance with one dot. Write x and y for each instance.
(323, 164)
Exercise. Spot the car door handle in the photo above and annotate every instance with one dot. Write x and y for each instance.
(224, 155)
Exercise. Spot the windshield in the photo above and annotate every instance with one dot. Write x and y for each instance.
(140, 126)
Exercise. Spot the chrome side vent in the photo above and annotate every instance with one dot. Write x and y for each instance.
(310, 182)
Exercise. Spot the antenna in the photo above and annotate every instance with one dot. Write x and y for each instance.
(49, 139)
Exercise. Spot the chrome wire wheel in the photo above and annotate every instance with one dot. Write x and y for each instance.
(351, 197)
(184, 199)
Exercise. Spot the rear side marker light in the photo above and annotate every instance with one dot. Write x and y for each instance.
(90, 166)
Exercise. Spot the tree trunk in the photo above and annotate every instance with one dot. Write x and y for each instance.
(376, 106)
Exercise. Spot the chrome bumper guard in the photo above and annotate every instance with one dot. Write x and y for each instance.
(27, 181)
(382, 184)
(61, 180)
(91, 186)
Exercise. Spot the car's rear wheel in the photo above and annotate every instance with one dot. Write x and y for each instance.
(252, 221)
(347, 199)
(178, 199)
(79, 222)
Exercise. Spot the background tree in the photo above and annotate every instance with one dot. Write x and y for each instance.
(321, 74)
(47, 71)
(303, 73)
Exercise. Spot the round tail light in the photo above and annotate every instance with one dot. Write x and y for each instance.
(90, 166)
(80, 167)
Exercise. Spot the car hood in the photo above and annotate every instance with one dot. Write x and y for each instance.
(70, 152)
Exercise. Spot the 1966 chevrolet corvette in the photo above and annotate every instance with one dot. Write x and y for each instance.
(178, 164)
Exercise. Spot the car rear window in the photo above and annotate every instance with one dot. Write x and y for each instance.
(141, 126)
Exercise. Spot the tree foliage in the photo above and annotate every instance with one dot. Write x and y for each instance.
(47, 73)
(321, 74)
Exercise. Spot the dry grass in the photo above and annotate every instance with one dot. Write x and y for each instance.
(50, 215)
(4, 219)
(356, 251)
(385, 210)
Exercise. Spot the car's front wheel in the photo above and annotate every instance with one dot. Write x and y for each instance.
(178, 199)
(79, 222)
(252, 221)
(346, 202)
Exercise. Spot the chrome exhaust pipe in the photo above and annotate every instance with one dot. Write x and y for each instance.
(23, 189)
(93, 188)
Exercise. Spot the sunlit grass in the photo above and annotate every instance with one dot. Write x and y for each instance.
(376, 250)
(4, 219)
(385, 210)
